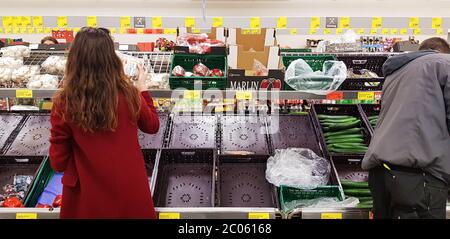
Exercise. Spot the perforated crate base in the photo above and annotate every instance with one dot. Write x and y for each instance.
(8, 123)
(154, 141)
(33, 138)
(244, 185)
(193, 132)
(186, 185)
(352, 172)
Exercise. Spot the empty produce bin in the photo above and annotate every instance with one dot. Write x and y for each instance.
(154, 141)
(8, 124)
(193, 132)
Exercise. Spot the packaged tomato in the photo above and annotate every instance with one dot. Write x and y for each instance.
(58, 201)
(178, 71)
(12, 202)
(200, 70)
(43, 206)
(216, 73)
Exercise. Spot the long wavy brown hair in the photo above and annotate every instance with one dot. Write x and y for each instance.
(93, 80)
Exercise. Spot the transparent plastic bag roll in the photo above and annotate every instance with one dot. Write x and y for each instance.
(297, 167)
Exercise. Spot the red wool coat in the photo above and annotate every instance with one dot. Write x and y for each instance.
(104, 172)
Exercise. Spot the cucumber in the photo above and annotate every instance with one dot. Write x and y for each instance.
(347, 184)
(366, 206)
(321, 116)
(347, 136)
(349, 146)
(373, 117)
(338, 120)
(336, 127)
(298, 113)
(347, 151)
(338, 123)
(340, 141)
(357, 192)
(343, 132)
(365, 199)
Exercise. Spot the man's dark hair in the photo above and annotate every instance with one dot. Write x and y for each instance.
(49, 38)
(435, 43)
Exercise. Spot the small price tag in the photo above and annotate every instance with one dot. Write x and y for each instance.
(218, 22)
(47, 30)
(125, 21)
(413, 22)
(157, 22)
(255, 22)
(30, 30)
(439, 31)
(258, 215)
(403, 31)
(315, 22)
(394, 31)
(330, 215)
(195, 30)
(344, 22)
(170, 31)
(62, 21)
(282, 22)
(92, 21)
(47, 105)
(189, 22)
(312, 31)
(246, 31)
(373, 31)
(256, 31)
(76, 29)
(140, 31)
(326, 31)
(37, 21)
(293, 31)
(23, 30)
(436, 22)
(361, 31)
(243, 95)
(39, 30)
(337, 95)
(123, 47)
(113, 30)
(169, 215)
(26, 215)
(366, 95)
(385, 31)
(377, 22)
(339, 31)
(1, 30)
(24, 93)
(123, 30)
(417, 31)
(192, 94)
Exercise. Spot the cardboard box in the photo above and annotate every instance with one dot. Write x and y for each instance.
(239, 58)
(214, 34)
(267, 37)
(239, 80)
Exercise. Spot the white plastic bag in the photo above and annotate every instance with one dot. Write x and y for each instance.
(322, 203)
(130, 64)
(297, 167)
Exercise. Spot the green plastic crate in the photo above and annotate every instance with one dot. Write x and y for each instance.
(188, 61)
(315, 62)
(44, 175)
(288, 194)
(296, 50)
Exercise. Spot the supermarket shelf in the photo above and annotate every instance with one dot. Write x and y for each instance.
(219, 213)
(29, 213)
(330, 213)
(225, 94)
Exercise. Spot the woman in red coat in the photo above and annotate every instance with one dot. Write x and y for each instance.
(95, 120)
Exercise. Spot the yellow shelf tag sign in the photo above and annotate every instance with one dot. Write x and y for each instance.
(113, 30)
(439, 31)
(76, 29)
(7, 21)
(258, 215)
(24, 93)
(92, 21)
(218, 22)
(26, 21)
(282, 22)
(169, 215)
(414, 22)
(170, 31)
(61, 21)
(255, 22)
(8, 30)
(361, 31)
(140, 31)
(339, 31)
(327, 31)
(436, 22)
(37, 21)
(192, 94)
(313, 31)
(403, 31)
(293, 31)
(23, 30)
(189, 22)
(377, 22)
(416, 31)
(331, 215)
(30, 30)
(373, 31)
(20, 215)
(246, 31)
(385, 31)
(244, 95)
(315, 22)
(394, 31)
(366, 95)
(157, 23)
(16, 30)
(125, 21)
(344, 22)
(47, 105)
(122, 30)
(16, 21)
(1, 30)
(39, 30)
(256, 31)
(196, 30)
(47, 30)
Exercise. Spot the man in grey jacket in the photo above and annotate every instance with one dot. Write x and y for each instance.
(409, 155)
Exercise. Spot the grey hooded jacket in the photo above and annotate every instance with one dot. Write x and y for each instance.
(414, 122)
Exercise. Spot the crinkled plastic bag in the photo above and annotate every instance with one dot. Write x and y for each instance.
(301, 77)
(325, 202)
(297, 167)
(259, 68)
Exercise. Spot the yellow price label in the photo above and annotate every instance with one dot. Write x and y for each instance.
(293, 31)
(361, 31)
(48, 30)
(366, 95)
(327, 31)
(26, 21)
(223, 109)
(314, 22)
(47, 105)
(312, 31)
(39, 30)
(439, 31)
(329, 215)
(69, 29)
(16, 21)
(30, 30)
(282, 22)
(157, 22)
(218, 22)
(91, 21)
(255, 22)
(377, 22)
(56, 29)
(170, 31)
(37, 21)
(24, 93)
(394, 31)
(8, 30)
(20, 215)
(344, 22)
(339, 31)
(113, 30)
(76, 29)
(1, 30)
(125, 21)
(436, 22)
(16, 30)
(246, 31)
(373, 31)
(244, 95)
(416, 31)
(122, 30)
(192, 94)
(413, 22)
(61, 21)
(196, 30)
(189, 22)
(22, 30)
(7, 21)
(169, 215)
(385, 31)
(258, 215)
(256, 31)
(403, 31)
(140, 31)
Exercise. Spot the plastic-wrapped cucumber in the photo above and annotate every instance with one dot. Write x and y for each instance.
(343, 132)
(347, 151)
(347, 184)
(348, 140)
(347, 136)
(337, 127)
(333, 116)
(357, 192)
(338, 120)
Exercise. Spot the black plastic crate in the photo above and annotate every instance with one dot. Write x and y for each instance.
(292, 131)
(185, 178)
(364, 84)
(338, 109)
(243, 134)
(150, 162)
(368, 111)
(193, 132)
(242, 183)
(364, 61)
(155, 141)
(9, 123)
